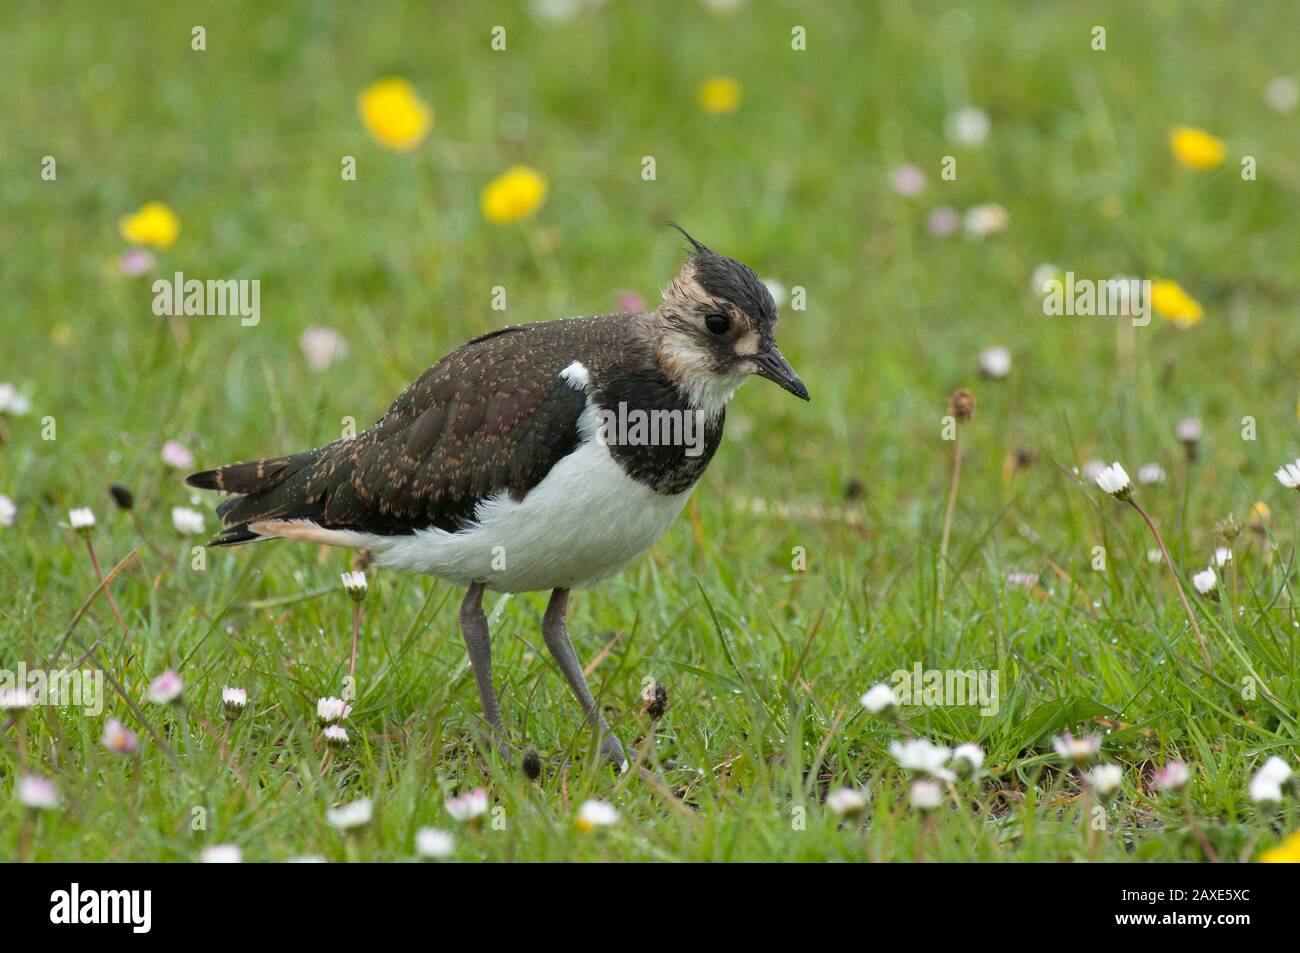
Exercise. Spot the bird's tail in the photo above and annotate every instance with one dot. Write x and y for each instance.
(273, 488)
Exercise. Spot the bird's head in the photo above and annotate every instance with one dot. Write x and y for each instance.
(718, 324)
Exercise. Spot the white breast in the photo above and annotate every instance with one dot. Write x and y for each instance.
(584, 521)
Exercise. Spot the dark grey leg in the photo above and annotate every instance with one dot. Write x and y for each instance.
(556, 634)
(474, 627)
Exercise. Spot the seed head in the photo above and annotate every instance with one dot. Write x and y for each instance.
(657, 703)
(1228, 528)
(961, 404)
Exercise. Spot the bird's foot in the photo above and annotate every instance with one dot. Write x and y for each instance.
(493, 739)
(611, 749)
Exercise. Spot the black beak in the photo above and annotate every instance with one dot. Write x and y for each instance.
(773, 365)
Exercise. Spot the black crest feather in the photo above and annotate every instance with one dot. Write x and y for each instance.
(694, 244)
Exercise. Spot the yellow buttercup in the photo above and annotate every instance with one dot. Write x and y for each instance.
(1287, 852)
(1173, 303)
(395, 114)
(154, 223)
(514, 194)
(721, 94)
(1196, 148)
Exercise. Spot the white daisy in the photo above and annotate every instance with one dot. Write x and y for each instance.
(1150, 473)
(593, 814)
(1105, 779)
(926, 795)
(1115, 481)
(1041, 275)
(846, 802)
(82, 520)
(557, 11)
(995, 362)
(233, 700)
(336, 736)
(187, 522)
(1265, 791)
(1205, 581)
(331, 709)
(12, 402)
(433, 843)
(354, 583)
(987, 219)
(350, 816)
(968, 126)
(918, 754)
(222, 854)
(1282, 94)
(1289, 475)
(967, 759)
(1078, 751)
(879, 699)
(1275, 770)
(7, 511)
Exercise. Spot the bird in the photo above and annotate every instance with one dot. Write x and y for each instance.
(535, 457)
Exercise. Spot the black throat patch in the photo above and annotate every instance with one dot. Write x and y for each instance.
(651, 430)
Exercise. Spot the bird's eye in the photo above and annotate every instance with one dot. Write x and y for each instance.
(717, 323)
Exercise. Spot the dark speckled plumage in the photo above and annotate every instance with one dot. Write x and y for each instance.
(494, 415)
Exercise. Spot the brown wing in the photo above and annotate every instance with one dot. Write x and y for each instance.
(492, 416)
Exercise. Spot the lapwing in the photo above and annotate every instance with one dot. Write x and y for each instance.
(541, 456)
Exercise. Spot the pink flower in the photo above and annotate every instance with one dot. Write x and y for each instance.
(136, 261)
(165, 689)
(630, 301)
(176, 456)
(37, 794)
(1078, 751)
(1171, 777)
(322, 347)
(944, 222)
(118, 738)
(468, 807)
(907, 180)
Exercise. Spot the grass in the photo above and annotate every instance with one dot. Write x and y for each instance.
(763, 663)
